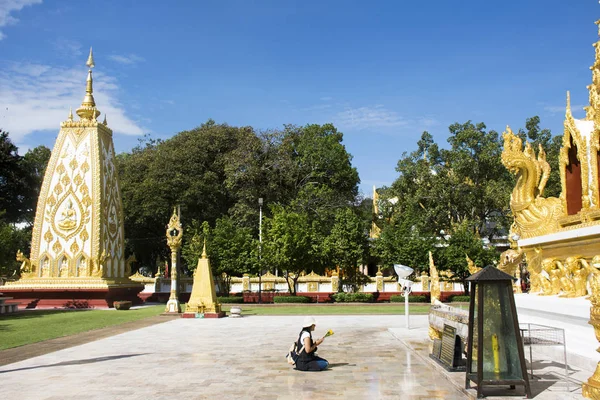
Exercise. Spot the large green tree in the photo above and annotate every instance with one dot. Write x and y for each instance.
(347, 246)
(20, 181)
(13, 181)
(289, 244)
(187, 170)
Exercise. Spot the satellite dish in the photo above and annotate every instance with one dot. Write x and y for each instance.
(403, 271)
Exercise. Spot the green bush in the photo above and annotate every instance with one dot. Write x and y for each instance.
(353, 297)
(411, 299)
(231, 299)
(291, 299)
(459, 298)
(339, 297)
(362, 297)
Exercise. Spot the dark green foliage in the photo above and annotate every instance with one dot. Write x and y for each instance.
(411, 299)
(291, 299)
(458, 298)
(353, 297)
(231, 299)
(346, 246)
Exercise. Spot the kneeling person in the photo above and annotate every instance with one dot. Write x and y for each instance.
(307, 359)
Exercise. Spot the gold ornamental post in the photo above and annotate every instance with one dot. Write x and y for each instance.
(174, 235)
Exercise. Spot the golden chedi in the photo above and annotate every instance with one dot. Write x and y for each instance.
(77, 248)
(203, 299)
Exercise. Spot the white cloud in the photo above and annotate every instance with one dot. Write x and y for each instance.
(326, 98)
(68, 47)
(563, 108)
(369, 117)
(7, 7)
(316, 107)
(128, 59)
(36, 97)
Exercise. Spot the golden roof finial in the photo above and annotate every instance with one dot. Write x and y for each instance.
(88, 110)
(204, 250)
(70, 114)
(90, 60)
(104, 122)
(568, 102)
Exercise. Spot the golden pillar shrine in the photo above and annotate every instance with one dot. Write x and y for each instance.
(77, 248)
(560, 237)
(203, 299)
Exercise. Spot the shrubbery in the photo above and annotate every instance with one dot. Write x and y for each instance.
(411, 299)
(231, 299)
(460, 298)
(353, 297)
(291, 299)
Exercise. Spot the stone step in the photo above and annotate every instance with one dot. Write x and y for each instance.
(7, 308)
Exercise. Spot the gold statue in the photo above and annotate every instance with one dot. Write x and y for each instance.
(69, 217)
(128, 263)
(471, 265)
(580, 270)
(595, 281)
(534, 215)
(435, 291)
(26, 267)
(545, 280)
(566, 283)
(509, 261)
(534, 267)
(99, 267)
(375, 230)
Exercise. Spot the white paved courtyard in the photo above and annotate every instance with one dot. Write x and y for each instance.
(372, 357)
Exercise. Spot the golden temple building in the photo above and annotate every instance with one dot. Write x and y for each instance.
(560, 237)
(77, 246)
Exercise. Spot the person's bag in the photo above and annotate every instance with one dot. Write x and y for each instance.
(293, 354)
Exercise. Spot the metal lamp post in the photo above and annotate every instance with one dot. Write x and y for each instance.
(174, 234)
(403, 272)
(260, 203)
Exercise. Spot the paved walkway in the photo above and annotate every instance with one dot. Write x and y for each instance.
(231, 359)
(21, 353)
(372, 357)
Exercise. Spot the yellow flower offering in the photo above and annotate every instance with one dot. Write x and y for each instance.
(329, 333)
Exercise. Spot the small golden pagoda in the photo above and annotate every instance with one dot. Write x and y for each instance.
(203, 299)
(78, 239)
(560, 237)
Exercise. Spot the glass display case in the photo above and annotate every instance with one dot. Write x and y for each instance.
(494, 347)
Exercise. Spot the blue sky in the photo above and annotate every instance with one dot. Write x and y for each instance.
(382, 72)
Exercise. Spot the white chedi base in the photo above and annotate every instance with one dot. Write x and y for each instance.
(173, 306)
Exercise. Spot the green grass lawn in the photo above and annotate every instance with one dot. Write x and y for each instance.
(330, 310)
(27, 327)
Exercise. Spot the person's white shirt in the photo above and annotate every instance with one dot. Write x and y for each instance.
(304, 335)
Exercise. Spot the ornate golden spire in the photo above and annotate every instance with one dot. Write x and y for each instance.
(568, 103)
(204, 255)
(70, 114)
(592, 111)
(88, 109)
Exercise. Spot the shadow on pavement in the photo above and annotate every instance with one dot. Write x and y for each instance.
(77, 362)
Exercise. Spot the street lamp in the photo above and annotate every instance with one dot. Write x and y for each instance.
(260, 204)
(403, 272)
(174, 234)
